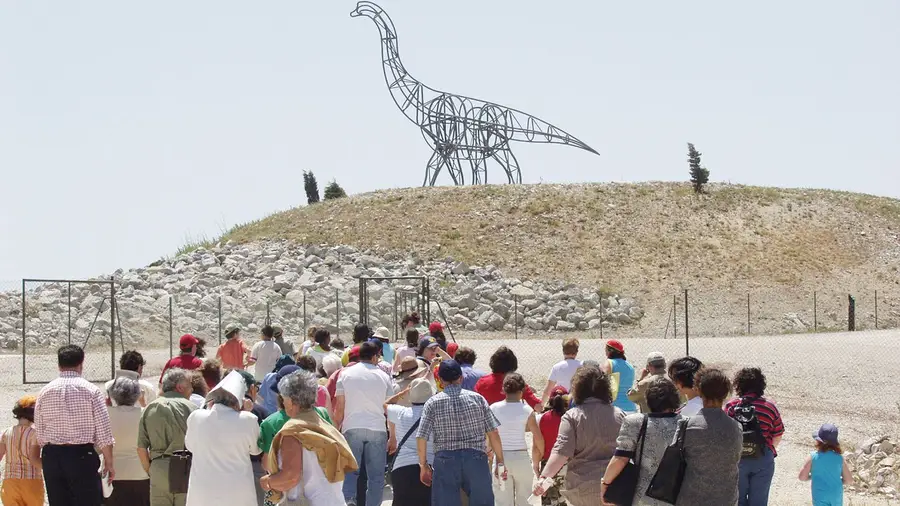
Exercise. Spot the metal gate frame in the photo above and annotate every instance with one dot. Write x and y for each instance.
(424, 300)
(114, 317)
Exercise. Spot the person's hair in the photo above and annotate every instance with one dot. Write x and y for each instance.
(750, 380)
(504, 361)
(70, 356)
(278, 332)
(24, 408)
(323, 338)
(172, 378)
(211, 371)
(614, 353)
(683, 370)
(662, 396)
(131, 361)
(559, 404)
(337, 343)
(713, 384)
(822, 447)
(570, 346)
(412, 337)
(513, 383)
(307, 363)
(439, 336)
(198, 383)
(301, 388)
(311, 332)
(405, 321)
(320, 372)
(268, 331)
(414, 317)
(590, 382)
(124, 391)
(367, 350)
(225, 398)
(465, 356)
(361, 332)
(200, 352)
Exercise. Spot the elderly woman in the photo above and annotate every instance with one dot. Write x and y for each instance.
(587, 439)
(658, 426)
(712, 446)
(132, 484)
(222, 439)
(309, 456)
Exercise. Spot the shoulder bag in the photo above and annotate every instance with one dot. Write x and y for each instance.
(392, 458)
(666, 483)
(621, 491)
(179, 471)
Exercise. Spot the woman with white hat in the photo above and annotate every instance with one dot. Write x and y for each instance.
(407, 488)
(222, 439)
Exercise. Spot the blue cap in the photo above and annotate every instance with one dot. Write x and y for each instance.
(449, 371)
(284, 371)
(283, 361)
(828, 433)
(427, 342)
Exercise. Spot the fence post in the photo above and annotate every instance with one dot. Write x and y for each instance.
(687, 333)
(220, 320)
(112, 328)
(851, 316)
(876, 309)
(815, 312)
(337, 312)
(70, 311)
(268, 313)
(24, 378)
(516, 315)
(171, 334)
(305, 323)
(748, 314)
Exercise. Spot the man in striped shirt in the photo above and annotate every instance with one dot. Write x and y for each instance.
(756, 473)
(72, 425)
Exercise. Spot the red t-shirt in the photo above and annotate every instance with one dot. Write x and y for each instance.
(491, 388)
(187, 362)
(549, 425)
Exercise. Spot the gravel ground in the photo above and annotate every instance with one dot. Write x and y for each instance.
(813, 378)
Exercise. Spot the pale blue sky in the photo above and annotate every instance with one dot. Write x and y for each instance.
(126, 127)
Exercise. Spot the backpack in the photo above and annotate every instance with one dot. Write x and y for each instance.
(754, 444)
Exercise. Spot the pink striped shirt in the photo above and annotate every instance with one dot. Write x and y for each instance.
(18, 439)
(72, 411)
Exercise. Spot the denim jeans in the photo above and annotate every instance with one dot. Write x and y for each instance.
(755, 480)
(369, 447)
(461, 469)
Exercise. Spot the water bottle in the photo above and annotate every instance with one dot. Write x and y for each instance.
(500, 469)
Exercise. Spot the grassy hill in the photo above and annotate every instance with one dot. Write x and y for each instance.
(648, 240)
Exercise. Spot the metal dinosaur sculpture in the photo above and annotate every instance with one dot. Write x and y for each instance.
(458, 128)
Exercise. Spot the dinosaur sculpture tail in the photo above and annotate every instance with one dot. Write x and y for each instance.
(523, 127)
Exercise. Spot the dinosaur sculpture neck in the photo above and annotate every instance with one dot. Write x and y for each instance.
(408, 93)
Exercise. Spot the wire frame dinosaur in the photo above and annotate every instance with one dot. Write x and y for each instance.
(458, 128)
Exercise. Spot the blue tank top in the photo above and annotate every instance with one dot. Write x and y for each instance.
(827, 487)
(625, 373)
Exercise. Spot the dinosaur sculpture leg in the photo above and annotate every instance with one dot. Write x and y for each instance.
(508, 161)
(454, 167)
(433, 169)
(479, 169)
(437, 162)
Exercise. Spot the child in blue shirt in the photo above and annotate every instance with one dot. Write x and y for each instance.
(827, 469)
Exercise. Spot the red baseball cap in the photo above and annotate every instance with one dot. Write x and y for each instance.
(187, 341)
(354, 354)
(616, 345)
(435, 327)
(451, 349)
(558, 390)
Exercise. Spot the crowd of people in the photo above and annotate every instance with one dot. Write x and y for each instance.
(324, 424)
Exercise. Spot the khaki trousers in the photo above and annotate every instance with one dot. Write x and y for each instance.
(159, 485)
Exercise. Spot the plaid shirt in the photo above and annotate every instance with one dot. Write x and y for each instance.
(457, 419)
(72, 411)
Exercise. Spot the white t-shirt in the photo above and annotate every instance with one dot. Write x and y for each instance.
(306, 346)
(403, 418)
(691, 407)
(365, 388)
(562, 372)
(124, 421)
(513, 417)
(266, 354)
(148, 390)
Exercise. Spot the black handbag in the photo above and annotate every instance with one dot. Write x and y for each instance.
(179, 471)
(666, 483)
(621, 491)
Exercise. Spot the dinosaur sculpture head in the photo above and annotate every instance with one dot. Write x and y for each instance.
(367, 9)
